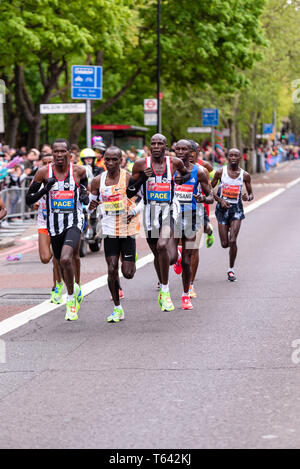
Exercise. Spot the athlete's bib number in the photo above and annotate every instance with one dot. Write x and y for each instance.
(62, 201)
(159, 192)
(231, 193)
(113, 204)
(184, 193)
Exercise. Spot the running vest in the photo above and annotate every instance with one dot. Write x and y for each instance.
(42, 212)
(185, 192)
(231, 189)
(115, 206)
(64, 208)
(158, 194)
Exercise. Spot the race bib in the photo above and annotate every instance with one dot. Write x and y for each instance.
(62, 201)
(159, 192)
(113, 204)
(184, 193)
(231, 193)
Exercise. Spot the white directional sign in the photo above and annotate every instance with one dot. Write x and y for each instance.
(199, 130)
(63, 108)
(150, 118)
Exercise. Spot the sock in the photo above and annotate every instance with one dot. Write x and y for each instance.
(184, 294)
(70, 297)
(230, 270)
(179, 255)
(165, 288)
(59, 283)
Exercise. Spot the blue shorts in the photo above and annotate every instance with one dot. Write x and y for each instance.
(226, 217)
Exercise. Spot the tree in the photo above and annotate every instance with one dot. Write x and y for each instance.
(208, 42)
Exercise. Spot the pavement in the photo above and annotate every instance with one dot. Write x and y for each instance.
(224, 375)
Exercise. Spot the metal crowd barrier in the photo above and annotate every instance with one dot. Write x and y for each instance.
(14, 199)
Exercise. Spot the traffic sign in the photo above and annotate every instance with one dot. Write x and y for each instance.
(86, 82)
(268, 129)
(210, 117)
(199, 130)
(150, 105)
(150, 118)
(63, 108)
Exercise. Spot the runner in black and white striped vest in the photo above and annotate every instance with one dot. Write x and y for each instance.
(65, 185)
(64, 208)
(156, 174)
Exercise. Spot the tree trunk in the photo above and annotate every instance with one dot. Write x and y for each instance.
(12, 130)
(35, 133)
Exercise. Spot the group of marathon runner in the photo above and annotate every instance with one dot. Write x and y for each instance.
(172, 194)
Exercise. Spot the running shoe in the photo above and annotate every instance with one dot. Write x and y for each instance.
(159, 297)
(192, 293)
(166, 302)
(72, 310)
(58, 292)
(210, 238)
(177, 267)
(78, 293)
(186, 303)
(117, 315)
(121, 294)
(231, 276)
(52, 298)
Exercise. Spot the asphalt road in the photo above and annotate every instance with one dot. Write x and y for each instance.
(220, 376)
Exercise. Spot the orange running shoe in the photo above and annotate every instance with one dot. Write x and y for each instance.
(192, 293)
(186, 303)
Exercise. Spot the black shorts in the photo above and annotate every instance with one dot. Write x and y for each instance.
(126, 246)
(70, 237)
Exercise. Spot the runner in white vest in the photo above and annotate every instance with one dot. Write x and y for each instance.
(229, 209)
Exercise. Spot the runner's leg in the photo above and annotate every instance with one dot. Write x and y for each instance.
(233, 234)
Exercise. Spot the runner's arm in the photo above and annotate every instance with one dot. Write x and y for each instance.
(138, 177)
(94, 195)
(249, 196)
(208, 197)
(3, 210)
(34, 194)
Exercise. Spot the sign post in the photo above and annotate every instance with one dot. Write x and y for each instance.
(150, 112)
(87, 84)
(210, 117)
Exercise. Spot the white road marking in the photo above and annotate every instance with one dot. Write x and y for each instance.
(30, 314)
(37, 311)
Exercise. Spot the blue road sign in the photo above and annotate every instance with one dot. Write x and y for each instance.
(86, 82)
(268, 129)
(210, 117)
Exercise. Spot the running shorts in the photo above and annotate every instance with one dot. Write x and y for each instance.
(187, 224)
(43, 231)
(154, 234)
(226, 217)
(116, 246)
(70, 237)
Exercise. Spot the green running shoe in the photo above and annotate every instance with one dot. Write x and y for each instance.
(72, 310)
(58, 292)
(117, 315)
(78, 293)
(52, 298)
(166, 302)
(159, 298)
(210, 238)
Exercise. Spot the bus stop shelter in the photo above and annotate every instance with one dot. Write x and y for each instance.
(123, 136)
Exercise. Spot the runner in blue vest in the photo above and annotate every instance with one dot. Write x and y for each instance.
(191, 220)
